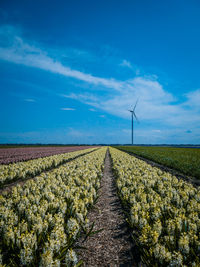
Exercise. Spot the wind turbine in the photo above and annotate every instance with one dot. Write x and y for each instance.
(133, 114)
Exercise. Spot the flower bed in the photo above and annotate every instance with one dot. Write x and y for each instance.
(163, 212)
(41, 221)
(21, 170)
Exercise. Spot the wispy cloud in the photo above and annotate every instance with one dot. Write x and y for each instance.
(156, 104)
(63, 136)
(102, 116)
(193, 99)
(81, 97)
(16, 50)
(126, 63)
(152, 136)
(78, 133)
(68, 109)
(29, 100)
(74, 132)
(153, 99)
(92, 109)
(156, 131)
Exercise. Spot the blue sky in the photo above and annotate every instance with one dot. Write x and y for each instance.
(70, 70)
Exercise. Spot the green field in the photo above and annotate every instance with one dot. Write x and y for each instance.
(185, 160)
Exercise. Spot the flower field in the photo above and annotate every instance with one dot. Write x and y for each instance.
(163, 212)
(21, 170)
(185, 160)
(15, 154)
(41, 221)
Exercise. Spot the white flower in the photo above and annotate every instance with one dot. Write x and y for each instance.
(26, 256)
(46, 259)
(176, 260)
(72, 227)
(71, 258)
(183, 243)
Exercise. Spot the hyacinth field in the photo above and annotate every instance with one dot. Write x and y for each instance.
(41, 221)
(46, 203)
(185, 160)
(163, 212)
(11, 155)
(31, 168)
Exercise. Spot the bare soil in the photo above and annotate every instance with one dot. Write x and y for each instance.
(113, 246)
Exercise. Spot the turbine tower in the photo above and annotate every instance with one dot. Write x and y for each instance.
(133, 114)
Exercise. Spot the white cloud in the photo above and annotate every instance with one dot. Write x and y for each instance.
(156, 131)
(102, 116)
(126, 63)
(29, 100)
(91, 109)
(74, 132)
(82, 97)
(68, 109)
(153, 99)
(18, 51)
(155, 104)
(150, 136)
(193, 99)
(62, 136)
(78, 133)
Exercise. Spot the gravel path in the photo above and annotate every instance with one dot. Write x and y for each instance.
(112, 246)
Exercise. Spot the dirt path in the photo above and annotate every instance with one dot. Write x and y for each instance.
(112, 246)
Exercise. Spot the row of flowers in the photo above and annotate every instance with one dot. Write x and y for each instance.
(163, 212)
(41, 220)
(31, 168)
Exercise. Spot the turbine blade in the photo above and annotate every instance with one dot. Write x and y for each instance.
(135, 104)
(135, 116)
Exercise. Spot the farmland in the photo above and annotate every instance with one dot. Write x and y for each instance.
(22, 170)
(41, 221)
(162, 211)
(185, 160)
(72, 200)
(16, 154)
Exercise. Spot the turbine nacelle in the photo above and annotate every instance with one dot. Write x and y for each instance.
(133, 114)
